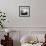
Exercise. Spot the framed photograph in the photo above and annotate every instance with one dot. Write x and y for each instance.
(24, 11)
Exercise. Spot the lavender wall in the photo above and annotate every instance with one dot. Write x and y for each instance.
(37, 15)
(36, 21)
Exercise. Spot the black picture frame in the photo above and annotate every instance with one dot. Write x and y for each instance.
(24, 11)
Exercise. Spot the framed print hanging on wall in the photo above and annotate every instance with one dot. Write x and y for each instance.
(24, 11)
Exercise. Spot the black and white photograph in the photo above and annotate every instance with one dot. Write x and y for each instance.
(24, 11)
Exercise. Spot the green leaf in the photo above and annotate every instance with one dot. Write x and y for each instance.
(0, 12)
(3, 19)
(4, 16)
(2, 26)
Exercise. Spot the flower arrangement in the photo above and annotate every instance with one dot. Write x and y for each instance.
(2, 19)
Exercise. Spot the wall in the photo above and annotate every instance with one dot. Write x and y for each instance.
(36, 21)
(37, 16)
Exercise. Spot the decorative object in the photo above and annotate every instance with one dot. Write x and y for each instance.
(8, 40)
(2, 19)
(24, 11)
